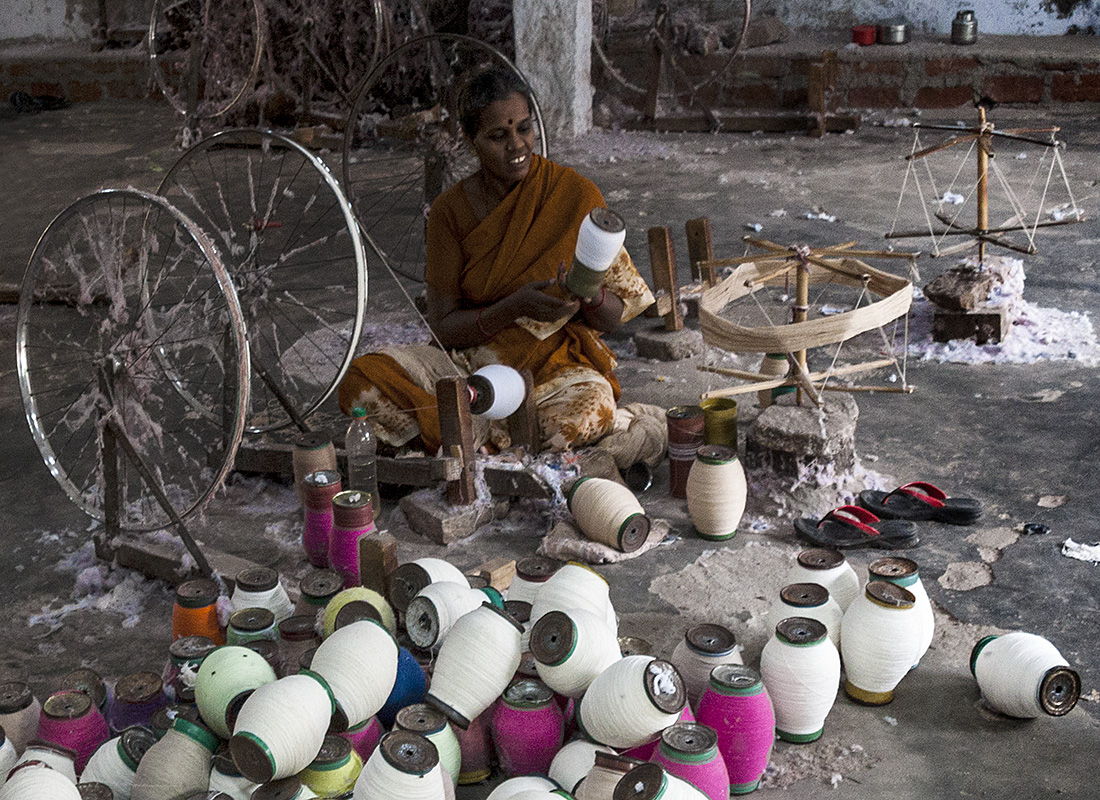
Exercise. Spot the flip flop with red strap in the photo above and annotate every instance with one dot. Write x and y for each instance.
(921, 501)
(852, 526)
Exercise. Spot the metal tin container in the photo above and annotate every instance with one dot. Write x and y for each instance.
(893, 32)
(964, 28)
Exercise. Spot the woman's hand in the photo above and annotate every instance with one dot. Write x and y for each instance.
(530, 300)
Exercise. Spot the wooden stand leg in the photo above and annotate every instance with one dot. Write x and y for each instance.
(456, 431)
(377, 559)
(662, 263)
(700, 248)
(523, 425)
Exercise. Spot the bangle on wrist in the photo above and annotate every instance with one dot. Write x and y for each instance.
(603, 296)
(481, 325)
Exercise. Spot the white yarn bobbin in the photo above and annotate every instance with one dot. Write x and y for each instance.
(809, 600)
(260, 587)
(20, 713)
(38, 782)
(651, 782)
(497, 391)
(716, 492)
(574, 761)
(571, 648)
(607, 770)
(531, 573)
(281, 727)
(702, 649)
(631, 702)
(407, 580)
(575, 586)
(436, 608)
(607, 512)
(535, 793)
(513, 787)
(404, 766)
(433, 726)
(8, 757)
(800, 667)
(115, 762)
(1024, 675)
(600, 238)
(475, 664)
(828, 568)
(177, 765)
(54, 756)
(905, 573)
(881, 637)
(359, 664)
(225, 777)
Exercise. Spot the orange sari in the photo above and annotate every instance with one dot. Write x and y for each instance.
(523, 239)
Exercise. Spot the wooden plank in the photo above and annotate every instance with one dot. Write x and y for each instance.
(515, 483)
(377, 559)
(456, 432)
(662, 265)
(700, 249)
(816, 91)
(272, 456)
(523, 425)
(159, 560)
(497, 572)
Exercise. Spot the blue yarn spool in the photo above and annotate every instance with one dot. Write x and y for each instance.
(410, 687)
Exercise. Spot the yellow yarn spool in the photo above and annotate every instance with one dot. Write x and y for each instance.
(609, 513)
(358, 594)
(335, 769)
(716, 492)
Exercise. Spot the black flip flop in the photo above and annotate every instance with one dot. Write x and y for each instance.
(852, 526)
(921, 501)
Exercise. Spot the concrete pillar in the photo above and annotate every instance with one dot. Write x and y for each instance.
(554, 51)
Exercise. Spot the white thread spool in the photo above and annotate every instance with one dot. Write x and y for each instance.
(225, 777)
(436, 608)
(571, 648)
(716, 492)
(631, 702)
(260, 587)
(54, 756)
(651, 782)
(531, 573)
(359, 664)
(115, 762)
(8, 757)
(534, 793)
(475, 664)
(808, 600)
(607, 512)
(38, 782)
(290, 788)
(881, 637)
(800, 667)
(20, 713)
(281, 727)
(599, 240)
(408, 579)
(496, 391)
(574, 761)
(828, 568)
(177, 765)
(512, 788)
(405, 765)
(433, 726)
(702, 649)
(575, 586)
(905, 573)
(1023, 675)
(607, 770)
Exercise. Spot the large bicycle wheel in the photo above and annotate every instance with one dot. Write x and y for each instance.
(120, 283)
(403, 145)
(205, 54)
(296, 257)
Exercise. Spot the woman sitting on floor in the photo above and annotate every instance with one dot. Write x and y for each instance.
(495, 244)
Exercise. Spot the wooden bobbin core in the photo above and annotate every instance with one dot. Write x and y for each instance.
(644, 782)
(634, 646)
(136, 741)
(537, 569)
(801, 631)
(1059, 690)
(252, 620)
(190, 648)
(449, 712)
(409, 752)
(890, 594)
(804, 595)
(710, 639)
(67, 705)
(352, 510)
(422, 622)
(734, 678)
(820, 558)
(658, 673)
(615, 763)
(355, 611)
(320, 487)
(95, 791)
(14, 696)
(334, 750)
(257, 579)
(520, 610)
(420, 718)
(88, 681)
(633, 532)
(285, 789)
(405, 583)
(690, 739)
(138, 687)
(197, 593)
(321, 585)
(252, 757)
(553, 639)
(892, 568)
(528, 693)
(163, 718)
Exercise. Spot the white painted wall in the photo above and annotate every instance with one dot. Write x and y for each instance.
(44, 19)
(1036, 17)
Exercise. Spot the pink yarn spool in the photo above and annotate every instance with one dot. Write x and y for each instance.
(736, 705)
(352, 519)
(473, 743)
(364, 737)
(689, 751)
(70, 719)
(318, 490)
(528, 728)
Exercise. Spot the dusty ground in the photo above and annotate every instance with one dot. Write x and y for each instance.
(1014, 435)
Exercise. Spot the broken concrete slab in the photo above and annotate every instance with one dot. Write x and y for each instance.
(429, 514)
(787, 437)
(668, 345)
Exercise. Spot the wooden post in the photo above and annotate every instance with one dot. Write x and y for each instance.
(456, 431)
(700, 248)
(821, 80)
(377, 559)
(662, 263)
(800, 312)
(985, 144)
(523, 425)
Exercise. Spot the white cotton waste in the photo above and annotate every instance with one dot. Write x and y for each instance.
(821, 215)
(952, 198)
(754, 226)
(1082, 552)
(1065, 211)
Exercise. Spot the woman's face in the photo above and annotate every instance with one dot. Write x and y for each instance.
(504, 140)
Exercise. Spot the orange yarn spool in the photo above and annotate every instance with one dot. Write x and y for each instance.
(196, 611)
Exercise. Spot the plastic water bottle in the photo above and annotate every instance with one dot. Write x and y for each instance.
(362, 449)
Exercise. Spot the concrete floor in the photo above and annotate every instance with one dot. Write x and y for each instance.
(974, 430)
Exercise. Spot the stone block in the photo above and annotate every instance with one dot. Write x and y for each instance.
(429, 514)
(668, 345)
(788, 437)
(961, 288)
(987, 325)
